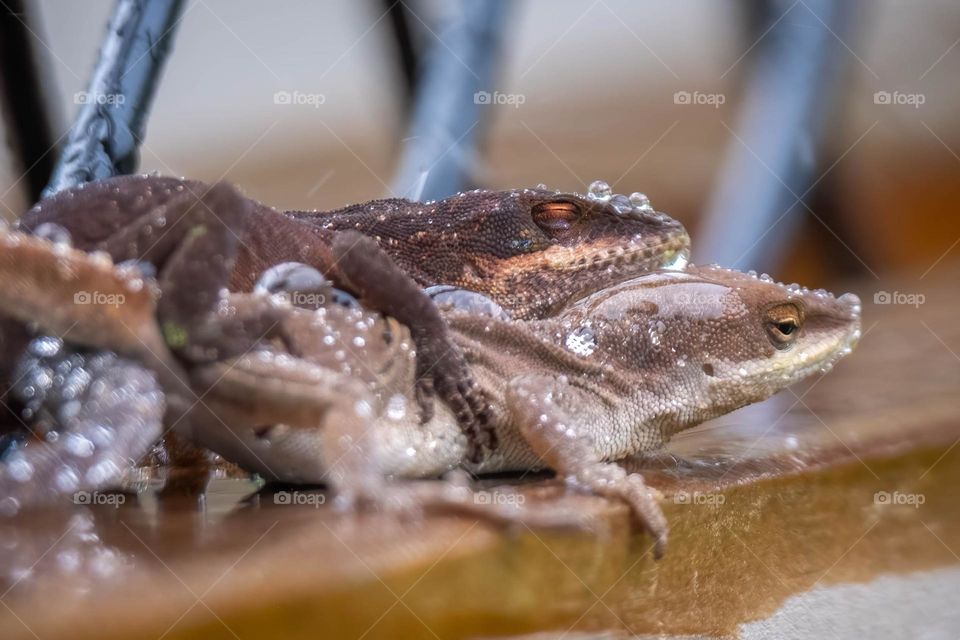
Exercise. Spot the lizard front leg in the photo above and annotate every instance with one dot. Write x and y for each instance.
(563, 446)
(359, 447)
(440, 365)
(102, 417)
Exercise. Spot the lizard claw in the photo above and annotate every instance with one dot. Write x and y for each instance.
(449, 378)
(425, 395)
(441, 367)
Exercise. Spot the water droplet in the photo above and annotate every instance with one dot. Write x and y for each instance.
(396, 407)
(52, 232)
(581, 341)
(45, 346)
(622, 204)
(640, 200)
(19, 469)
(678, 261)
(102, 472)
(362, 409)
(66, 480)
(599, 190)
(78, 445)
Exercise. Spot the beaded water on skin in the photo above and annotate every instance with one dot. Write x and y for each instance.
(528, 249)
(612, 375)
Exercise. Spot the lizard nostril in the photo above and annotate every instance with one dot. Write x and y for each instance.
(708, 369)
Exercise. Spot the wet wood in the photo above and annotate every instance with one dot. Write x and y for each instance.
(842, 480)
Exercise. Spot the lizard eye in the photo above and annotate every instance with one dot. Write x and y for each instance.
(783, 324)
(555, 216)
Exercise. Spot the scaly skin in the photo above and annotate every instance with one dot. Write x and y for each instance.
(614, 375)
(531, 250)
(528, 249)
(328, 394)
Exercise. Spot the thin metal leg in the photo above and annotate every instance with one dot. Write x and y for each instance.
(450, 103)
(771, 160)
(104, 140)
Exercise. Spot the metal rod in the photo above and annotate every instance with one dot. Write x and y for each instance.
(105, 137)
(790, 93)
(459, 68)
(26, 101)
(408, 59)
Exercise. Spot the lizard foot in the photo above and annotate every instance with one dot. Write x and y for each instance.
(447, 376)
(568, 449)
(441, 367)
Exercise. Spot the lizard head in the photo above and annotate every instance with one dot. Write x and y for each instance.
(540, 247)
(530, 249)
(711, 340)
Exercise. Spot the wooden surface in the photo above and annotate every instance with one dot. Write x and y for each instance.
(770, 508)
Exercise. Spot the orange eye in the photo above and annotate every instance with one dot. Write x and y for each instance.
(555, 216)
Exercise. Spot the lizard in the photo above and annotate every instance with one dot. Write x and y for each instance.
(327, 396)
(529, 249)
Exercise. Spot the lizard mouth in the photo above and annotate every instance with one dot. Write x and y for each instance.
(829, 340)
(672, 253)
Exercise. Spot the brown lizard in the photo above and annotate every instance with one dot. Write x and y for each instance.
(529, 249)
(327, 394)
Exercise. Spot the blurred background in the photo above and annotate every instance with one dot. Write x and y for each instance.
(799, 137)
